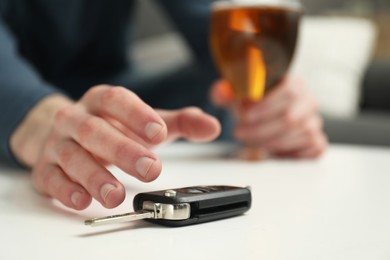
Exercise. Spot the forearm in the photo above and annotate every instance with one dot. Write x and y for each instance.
(27, 140)
(21, 89)
(191, 19)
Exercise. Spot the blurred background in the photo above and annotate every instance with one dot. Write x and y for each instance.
(377, 11)
(360, 81)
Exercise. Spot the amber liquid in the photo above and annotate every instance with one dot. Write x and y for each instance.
(253, 46)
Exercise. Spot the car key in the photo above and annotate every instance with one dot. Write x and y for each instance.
(184, 206)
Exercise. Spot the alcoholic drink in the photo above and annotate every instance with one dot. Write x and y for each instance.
(253, 45)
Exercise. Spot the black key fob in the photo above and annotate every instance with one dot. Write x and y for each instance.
(196, 204)
(184, 206)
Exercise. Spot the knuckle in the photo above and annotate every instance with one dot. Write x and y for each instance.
(86, 128)
(108, 96)
(65, 156)
(95, 90)
(63, 115)
(111, 94)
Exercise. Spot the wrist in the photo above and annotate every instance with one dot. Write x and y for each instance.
(28, 138)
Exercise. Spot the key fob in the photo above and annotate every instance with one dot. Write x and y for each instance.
(193, 205)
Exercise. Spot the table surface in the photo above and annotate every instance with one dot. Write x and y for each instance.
(336, 207)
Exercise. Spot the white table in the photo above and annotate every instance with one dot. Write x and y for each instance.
(337, 207)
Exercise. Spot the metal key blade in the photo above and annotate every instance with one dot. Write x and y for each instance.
(131, 216)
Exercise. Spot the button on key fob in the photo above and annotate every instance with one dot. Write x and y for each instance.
(184, 206)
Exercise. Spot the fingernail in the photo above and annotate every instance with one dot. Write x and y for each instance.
(143, 165)
(75, 197)
(152, 129)
(105, 190)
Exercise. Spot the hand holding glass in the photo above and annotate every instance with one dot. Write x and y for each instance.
(253, 46)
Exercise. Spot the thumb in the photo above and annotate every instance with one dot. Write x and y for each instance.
(190, 123)
(221, 93)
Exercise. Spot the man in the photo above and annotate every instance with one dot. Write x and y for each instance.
(54, 122)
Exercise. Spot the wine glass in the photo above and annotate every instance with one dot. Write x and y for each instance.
(253, 45)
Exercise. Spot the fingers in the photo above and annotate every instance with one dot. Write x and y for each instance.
(107, 126)
(100, 183)
(102, 139)
(190, 123)
(285, 122)
(127, 108)
(262, 129)
(73, 176)
(52, 181)
(278, 101)
(307, 141)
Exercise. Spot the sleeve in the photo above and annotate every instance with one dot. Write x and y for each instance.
(191, 19)
(20, 89)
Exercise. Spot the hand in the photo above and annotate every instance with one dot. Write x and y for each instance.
(285, 122)
(69, 144)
